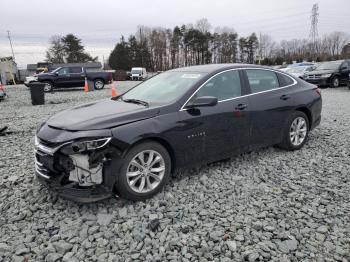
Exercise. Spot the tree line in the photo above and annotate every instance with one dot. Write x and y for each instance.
(159, 49)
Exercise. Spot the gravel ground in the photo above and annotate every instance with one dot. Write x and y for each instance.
(269, 205)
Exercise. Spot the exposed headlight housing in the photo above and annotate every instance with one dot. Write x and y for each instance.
(85, 145)
(325, 75)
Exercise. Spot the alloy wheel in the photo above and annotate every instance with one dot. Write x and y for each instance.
(99, 84)
(47, 87)
(298, 131)
(145, 171)
(336, 82)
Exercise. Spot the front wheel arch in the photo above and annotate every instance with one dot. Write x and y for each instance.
(159, 140)
(333, 78)
(122, 188)
(49, 82)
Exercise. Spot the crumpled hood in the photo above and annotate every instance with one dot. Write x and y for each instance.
(100, 115)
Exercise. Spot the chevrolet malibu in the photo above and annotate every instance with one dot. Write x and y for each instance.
(129, 145)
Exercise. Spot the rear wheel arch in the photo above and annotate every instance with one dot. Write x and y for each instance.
(307, 112)
(99, 78)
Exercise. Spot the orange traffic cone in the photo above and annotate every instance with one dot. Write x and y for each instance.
(114, 91)
(86, 87)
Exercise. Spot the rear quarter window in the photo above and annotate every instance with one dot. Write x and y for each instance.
(284, 80)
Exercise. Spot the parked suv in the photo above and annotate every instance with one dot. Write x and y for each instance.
(74, 77)
(333, 73)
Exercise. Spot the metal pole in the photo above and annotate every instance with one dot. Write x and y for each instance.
(9, 37)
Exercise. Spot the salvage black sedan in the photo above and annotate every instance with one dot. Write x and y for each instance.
(129, 145)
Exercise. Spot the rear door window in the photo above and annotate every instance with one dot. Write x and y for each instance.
(75, 70)
(261, 80)
(63, 71)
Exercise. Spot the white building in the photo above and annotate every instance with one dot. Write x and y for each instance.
(8, 70)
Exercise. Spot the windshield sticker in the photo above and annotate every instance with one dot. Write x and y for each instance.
(191, 76)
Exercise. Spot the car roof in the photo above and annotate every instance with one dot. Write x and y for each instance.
(214, 67)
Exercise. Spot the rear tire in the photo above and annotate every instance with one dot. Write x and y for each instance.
(335, 82)
(99, 84)
(295, 132)
(144, 171)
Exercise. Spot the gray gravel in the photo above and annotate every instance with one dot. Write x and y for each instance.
(269, 205)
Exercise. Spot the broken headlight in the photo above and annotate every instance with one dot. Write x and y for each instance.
(85, 145)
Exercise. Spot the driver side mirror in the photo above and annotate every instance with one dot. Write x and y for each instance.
(56, 73)
(202, 101)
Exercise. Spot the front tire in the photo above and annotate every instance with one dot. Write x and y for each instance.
(295, 132)
(335, 82)
(144, 171)
(99, 84)
(48, 86)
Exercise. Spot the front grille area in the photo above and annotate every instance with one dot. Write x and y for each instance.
(314, 76)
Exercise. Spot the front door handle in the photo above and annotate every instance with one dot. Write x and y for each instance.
(241, 107)
(284, 97)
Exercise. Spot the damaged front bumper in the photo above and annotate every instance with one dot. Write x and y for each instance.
(78, 176)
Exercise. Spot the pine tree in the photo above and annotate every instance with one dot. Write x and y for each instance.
(74, 50)
(67, 49)
(120, 56)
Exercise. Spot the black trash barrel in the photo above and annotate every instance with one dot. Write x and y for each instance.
(37, 93)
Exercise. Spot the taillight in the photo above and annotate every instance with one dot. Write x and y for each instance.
(318, 91)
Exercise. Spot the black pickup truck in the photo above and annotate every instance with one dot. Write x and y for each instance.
(73, 76)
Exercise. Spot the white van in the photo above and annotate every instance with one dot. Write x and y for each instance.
(138, 73)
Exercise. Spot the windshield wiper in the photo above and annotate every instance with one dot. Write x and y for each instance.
(136, 101)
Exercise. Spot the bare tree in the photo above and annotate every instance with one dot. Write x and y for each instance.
(203, 25)
(56, 52)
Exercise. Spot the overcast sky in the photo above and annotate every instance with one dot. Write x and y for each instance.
(100, 23)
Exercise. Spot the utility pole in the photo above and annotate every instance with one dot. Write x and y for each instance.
(141, 45)
(9, 37)
(313, 28)
(10, 63)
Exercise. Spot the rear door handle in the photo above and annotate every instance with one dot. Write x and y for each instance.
(241, 107)
(284, 97)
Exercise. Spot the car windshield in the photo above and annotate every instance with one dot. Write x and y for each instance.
(136, 71)
(163, 88)
(329, 65)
